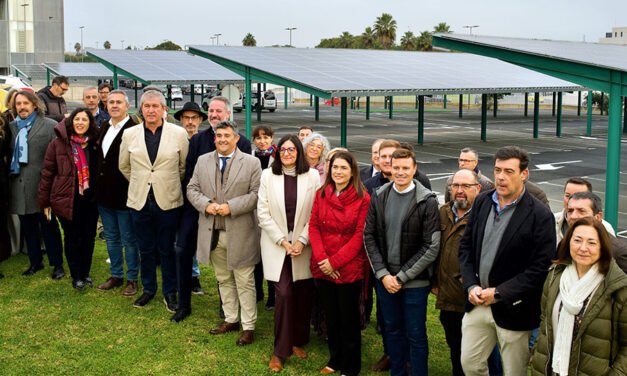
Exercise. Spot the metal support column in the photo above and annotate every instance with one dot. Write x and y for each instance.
(390, 108)
(589, 115)
(367, 108)
(310, 100)
(136, 96)
(553, 108)
(461, 105)
(343, 122)
(115, 78)
(495, 105)
(421, 119)
(192, 94)
(285, 98)
(579, 103)
(526, 104)
(248, 93)
(259, 101)
(612, 174)
(625, 116)
(48, 77)
(168, 98)
(484, 117)
(317, 107)
(444, 101)
(558, 128)
(602, 102)
(332, 102)
(536, 114)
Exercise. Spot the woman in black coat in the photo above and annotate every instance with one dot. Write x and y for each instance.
(5, 147)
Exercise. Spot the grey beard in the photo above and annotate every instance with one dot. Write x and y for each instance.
(462, 204)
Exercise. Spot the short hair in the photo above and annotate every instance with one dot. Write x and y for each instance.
(262, 128)
(509, 152)
(228, 124)
(563, 253)
(104, 85)
(402, 153)
(355, 181)
(470, 150)
(325, 144)
(219, 98)
(151, 94)
(406, 145)
(118, 91)
(92, 132)
(332, 152)
(302, 167)
(578, 181)
(595, 200)
(389, 144)
(32, 98)
(305, 127)
(58, 80)
(89, 88)
(474, 175)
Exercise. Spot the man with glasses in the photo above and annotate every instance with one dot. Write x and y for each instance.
(103, 92)
(52, 97)
(469, 160)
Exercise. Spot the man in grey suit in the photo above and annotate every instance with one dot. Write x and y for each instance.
(31, 133)
(223, 189)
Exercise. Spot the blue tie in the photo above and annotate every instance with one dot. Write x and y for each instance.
(223, 167)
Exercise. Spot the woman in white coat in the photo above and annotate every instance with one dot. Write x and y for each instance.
(286, 198)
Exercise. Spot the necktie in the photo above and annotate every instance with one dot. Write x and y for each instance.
(223, 167)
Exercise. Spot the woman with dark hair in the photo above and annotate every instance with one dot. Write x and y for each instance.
(265, 150)
(286, 196)
(8, 114)
(66, 188)
(338, 262)
(584, 318)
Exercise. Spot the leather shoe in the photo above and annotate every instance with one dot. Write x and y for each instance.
(299, 352)
(143, 300)
(246, 338)
(130, 289)
(327, 371)
(225, 327)
(275, 364)
(112, 282)
(181, 314)
(196, 288)
(78, 284)
(33, 269)
(382, 365)
(58, 272)
(170, 302)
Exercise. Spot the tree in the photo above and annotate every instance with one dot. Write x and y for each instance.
(425, 41)
(442, 27)
(77, 47)
(128, 47)
(409, 42)
(596, 100)
(107, 45)
(249, 40)
(368, 38)
(167, 46)
(346, 40)
(385, 29)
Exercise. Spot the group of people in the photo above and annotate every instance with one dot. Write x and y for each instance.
(509, 276)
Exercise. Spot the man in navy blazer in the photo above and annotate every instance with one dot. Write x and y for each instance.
(504, 259)
(200, 144)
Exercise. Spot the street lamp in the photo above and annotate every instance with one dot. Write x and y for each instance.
(82, 48)
(25, 39)
(122, 43)
(470, 27)
(213, 41)
(290, 30)
(217, 39)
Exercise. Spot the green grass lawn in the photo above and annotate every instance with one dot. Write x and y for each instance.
(47, 328)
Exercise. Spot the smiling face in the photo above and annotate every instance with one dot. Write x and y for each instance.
(314, 151)
(341, 172)
(80, 123)
(585, 247)
(218, 112)
(403, 171)
(262, 141)
(117, 106)
(153, 111)
(374, 155)
(23, 106)
(288, 154)
(385, 160)
(226, 141)
(508, 178)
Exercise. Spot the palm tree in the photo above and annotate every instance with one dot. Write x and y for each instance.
(385, 29)
(368, 38)
(424, 41)
(249, 40)
(442, 27)
(107, 45)
(409, 41)
(346, 40)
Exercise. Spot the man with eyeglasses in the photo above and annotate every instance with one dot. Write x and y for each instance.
(52, 96)
(103, 92)
(468, 160)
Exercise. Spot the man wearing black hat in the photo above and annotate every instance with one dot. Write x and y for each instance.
(190, 117)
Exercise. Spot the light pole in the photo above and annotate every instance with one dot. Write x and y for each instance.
(122, 43)
(82, 48)
(96, 44)
(213, 41)
(217, 39)
(25, 39)
(290, 30)
(470, 27)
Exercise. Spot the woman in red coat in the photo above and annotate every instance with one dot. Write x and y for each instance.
(66, 189)
(338, 261)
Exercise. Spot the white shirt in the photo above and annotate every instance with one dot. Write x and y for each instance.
(230, 156)
(112, 132)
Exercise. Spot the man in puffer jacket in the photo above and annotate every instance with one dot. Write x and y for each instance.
(52, 96)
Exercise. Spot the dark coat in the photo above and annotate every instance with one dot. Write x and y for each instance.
(521, 262)
(537, 192)
(58, 185)
(365, 173)
(55, 106)
(5, 162)
(336, 229)
(113, 191)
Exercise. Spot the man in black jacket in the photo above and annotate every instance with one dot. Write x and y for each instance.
(504, 258)
(402, 240)
(52, 96)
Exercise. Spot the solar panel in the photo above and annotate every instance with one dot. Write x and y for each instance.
(374, 72)
(597, 54)
(156, 66)
(80, 70)
(32, 71)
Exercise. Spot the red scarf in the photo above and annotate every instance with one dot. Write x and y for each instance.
(82, 167)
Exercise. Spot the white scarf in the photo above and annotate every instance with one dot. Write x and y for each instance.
(573, 292)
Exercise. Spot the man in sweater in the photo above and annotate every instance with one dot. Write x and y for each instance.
(52, 96)
(402, 240)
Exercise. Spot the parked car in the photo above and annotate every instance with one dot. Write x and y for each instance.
(268, 101)
(210, 94)
(176, 93)
(10, 82)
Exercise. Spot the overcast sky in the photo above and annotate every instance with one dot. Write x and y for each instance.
(144, 23)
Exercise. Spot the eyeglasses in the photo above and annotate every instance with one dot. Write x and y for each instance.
(104, 92)
(192, 118)
(465, 187)
(316, 146)
(290, 150)
(64, 88)
(466, 160)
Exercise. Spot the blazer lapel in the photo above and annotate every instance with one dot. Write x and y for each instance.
(38, 125)
(211, 173)
(278, 191)
(301, 189)
(236, 166)
(165, 133)
(522, 211)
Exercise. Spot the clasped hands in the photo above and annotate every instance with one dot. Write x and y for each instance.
(218, 209)
(391, 284)
(293, 250)
(327, 269)
(479, 296)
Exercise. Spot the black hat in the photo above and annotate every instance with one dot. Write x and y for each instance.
(190, 106)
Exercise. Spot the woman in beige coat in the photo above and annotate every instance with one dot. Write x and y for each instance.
(286, 196)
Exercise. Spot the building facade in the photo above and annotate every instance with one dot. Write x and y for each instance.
(618, 35)
(31, 32)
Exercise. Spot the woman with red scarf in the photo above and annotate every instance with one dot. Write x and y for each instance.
(338, 261)
(67, 189)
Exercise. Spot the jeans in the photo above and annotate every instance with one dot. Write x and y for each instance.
(195, 268)
(119, 232)
(35, 226)
(156, 235)
(405, 315)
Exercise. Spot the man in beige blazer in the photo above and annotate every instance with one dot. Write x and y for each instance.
(223, 189)
(152, 158)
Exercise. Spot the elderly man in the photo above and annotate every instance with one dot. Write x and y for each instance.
(200, 144)
(91, 101)
(504, 257)
(152, 159)
(223, 189)
(468, 160)
(367, 172)
(52, 97)
(31, 132)
(119, 232)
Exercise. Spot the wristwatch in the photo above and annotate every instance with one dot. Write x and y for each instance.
(497, 295)
(399, 281)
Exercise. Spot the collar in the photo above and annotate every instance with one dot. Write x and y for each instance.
(454, 211)
(411, 186)
(495, 201)
(121, 123)
(228, 155)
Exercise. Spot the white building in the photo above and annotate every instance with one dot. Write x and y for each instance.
(617, 36)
